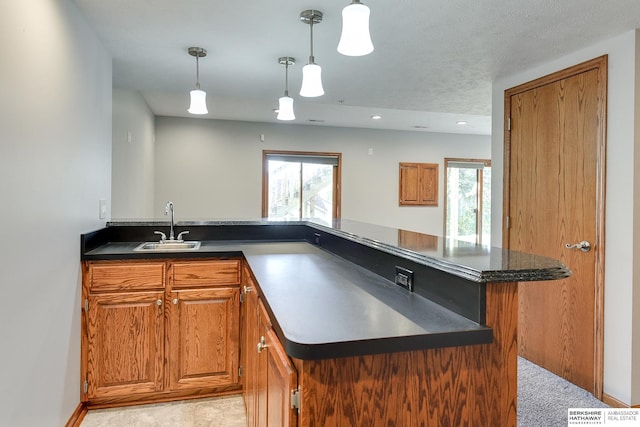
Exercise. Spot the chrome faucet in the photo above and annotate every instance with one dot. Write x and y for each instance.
(167, 208)
(163, 237)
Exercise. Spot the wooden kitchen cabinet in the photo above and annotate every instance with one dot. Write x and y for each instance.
(249, 341)
(159, 330)
(270, 377)
(203, 338)
(281, 381)
(418, 184)
(124, 343)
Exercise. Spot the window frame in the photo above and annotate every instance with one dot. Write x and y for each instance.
(479, 193)
(337, 177)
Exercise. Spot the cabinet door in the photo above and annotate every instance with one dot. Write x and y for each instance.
(262, 402)
(203, 338)
(124, 344)
(281, 380)
(409, 184)
(249, 352)
(429, 184)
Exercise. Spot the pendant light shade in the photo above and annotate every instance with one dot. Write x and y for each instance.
(311, 80)
(198, 102)
(285, 109)
(355, 39)
(285, 104)
(311, 73)
(198, 97)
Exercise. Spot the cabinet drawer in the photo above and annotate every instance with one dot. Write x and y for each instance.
(126, 276)
(205, 273)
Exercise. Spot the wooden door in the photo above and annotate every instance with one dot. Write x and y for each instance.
(281, 380)
(554, 196)
(262, 406)
(124, 344)
(204, 337)
(249, 350)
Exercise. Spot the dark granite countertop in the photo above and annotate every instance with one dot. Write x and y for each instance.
(469, 261)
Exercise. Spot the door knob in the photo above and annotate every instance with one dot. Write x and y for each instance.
(584, 246)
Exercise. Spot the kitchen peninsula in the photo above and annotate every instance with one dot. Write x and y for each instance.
(361, 324)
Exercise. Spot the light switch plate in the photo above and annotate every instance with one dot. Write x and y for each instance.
(103, 208)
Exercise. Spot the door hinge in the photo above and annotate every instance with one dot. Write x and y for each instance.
(240, 371)
(86, 386)
(295, 398)
(241, 297)
(86, 305)
(508, 220)
(509, 123)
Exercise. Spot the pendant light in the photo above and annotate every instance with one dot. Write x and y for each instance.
(285, 106)
(355, 39)
(311, 73)
(198, 96)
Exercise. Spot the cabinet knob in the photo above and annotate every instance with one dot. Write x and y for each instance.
(159, 302)
(262, 344)
(175, 301)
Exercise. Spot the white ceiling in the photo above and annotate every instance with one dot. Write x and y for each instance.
(433, 63)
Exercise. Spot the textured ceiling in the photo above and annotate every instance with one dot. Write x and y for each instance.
(433, 63)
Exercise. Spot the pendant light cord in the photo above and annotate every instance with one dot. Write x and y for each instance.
(286, 77)
(197, 71)
(311, 58)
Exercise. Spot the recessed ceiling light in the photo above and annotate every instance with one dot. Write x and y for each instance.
(461, 122)
(376, 117)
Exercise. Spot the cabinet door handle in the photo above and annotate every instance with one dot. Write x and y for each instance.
(175, 301)
(159, 302)
(262, 344)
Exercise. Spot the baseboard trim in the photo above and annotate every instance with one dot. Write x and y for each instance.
(78, 415)
(613, 402)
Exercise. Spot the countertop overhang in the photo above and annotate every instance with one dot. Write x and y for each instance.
(477, 263)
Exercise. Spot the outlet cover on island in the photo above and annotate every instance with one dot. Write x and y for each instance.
(103, 208)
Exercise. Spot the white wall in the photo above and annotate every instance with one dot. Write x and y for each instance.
(213, 169)
(55, 164)
(622, 328)
(133, 154)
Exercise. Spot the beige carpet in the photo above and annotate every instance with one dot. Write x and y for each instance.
(214, 412)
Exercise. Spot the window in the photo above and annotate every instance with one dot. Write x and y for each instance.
(298, 185)
(468, 200)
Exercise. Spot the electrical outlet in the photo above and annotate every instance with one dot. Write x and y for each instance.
(404, 278)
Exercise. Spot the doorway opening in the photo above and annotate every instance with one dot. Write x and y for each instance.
(467, 204)
(297, 185)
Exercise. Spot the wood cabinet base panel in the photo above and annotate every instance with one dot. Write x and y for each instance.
(168, 396)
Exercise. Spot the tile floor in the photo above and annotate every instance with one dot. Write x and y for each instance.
(227, 411)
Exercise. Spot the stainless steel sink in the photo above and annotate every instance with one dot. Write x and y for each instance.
(167, 246)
